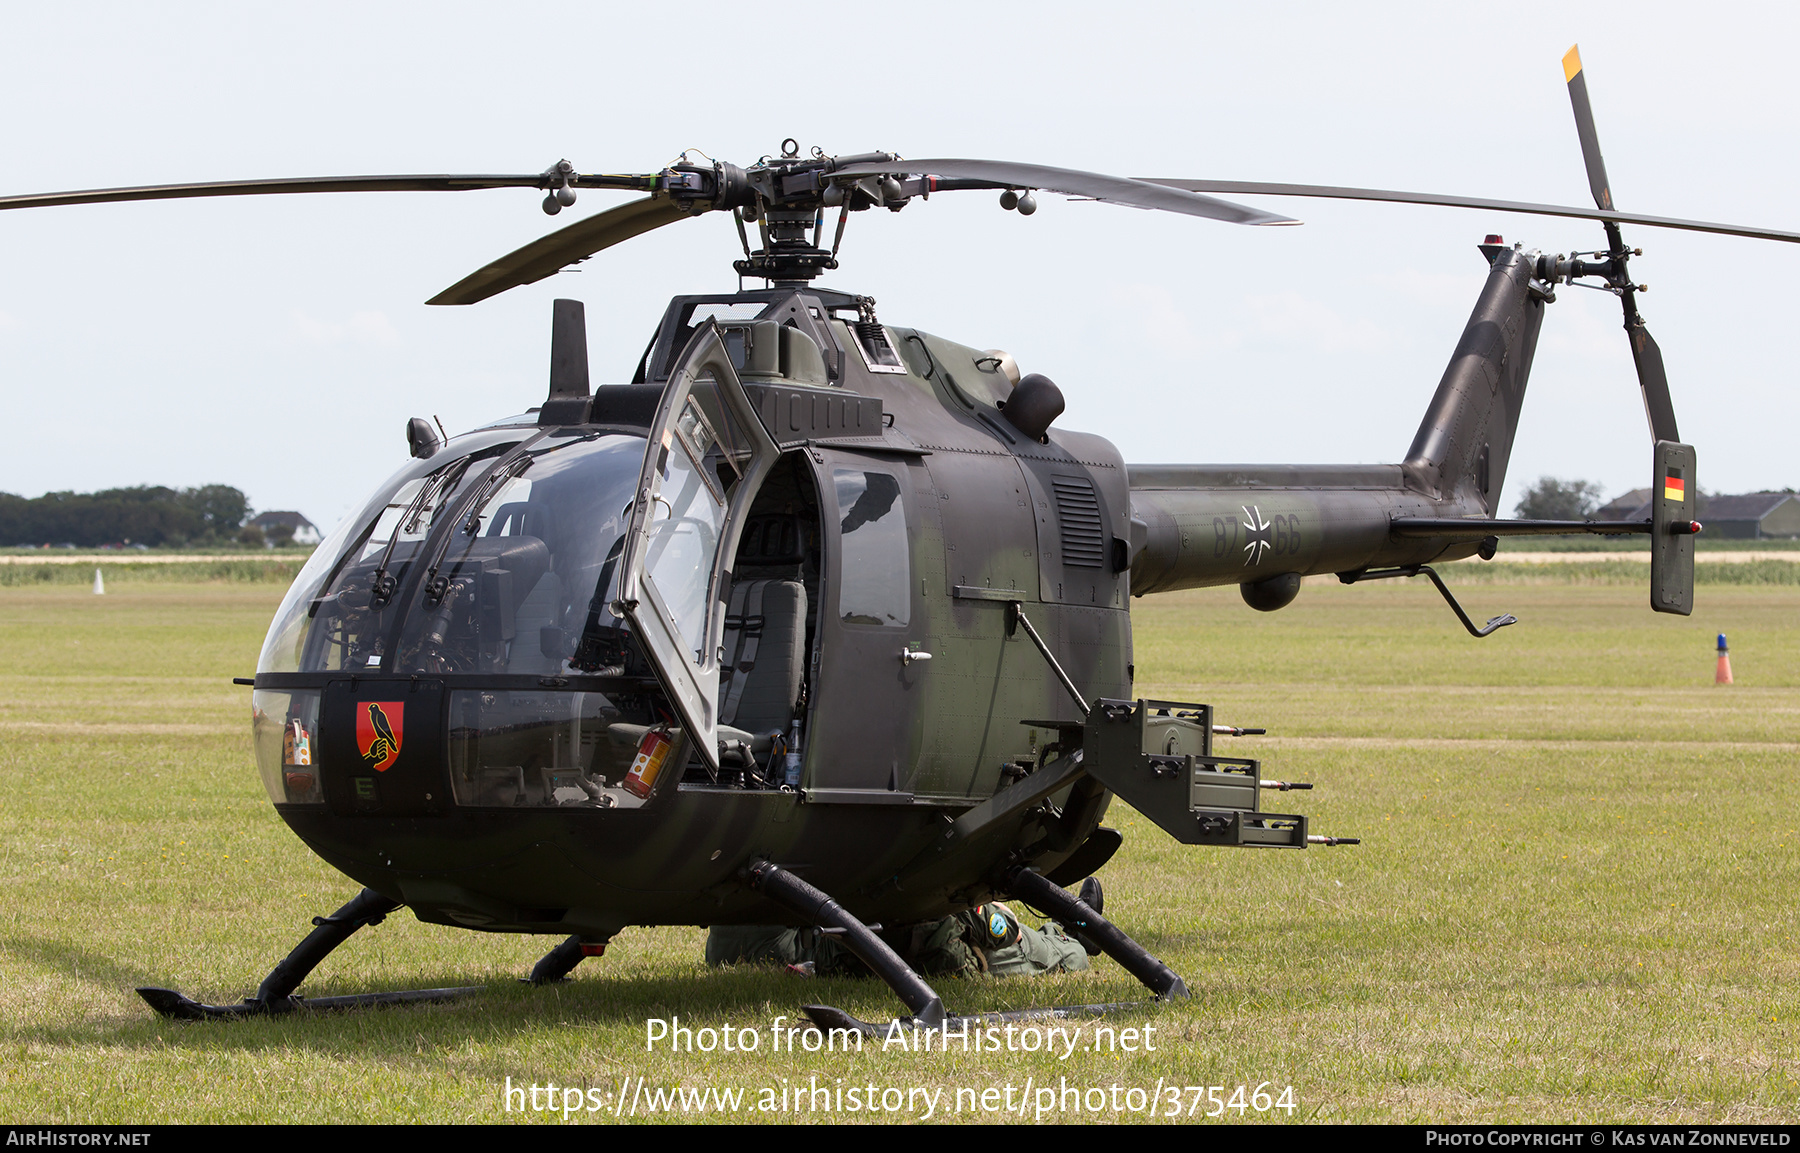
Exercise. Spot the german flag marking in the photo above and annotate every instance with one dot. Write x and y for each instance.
(1674, 488)
(1572, 63)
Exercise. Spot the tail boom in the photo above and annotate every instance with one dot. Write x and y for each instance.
(1199, 525)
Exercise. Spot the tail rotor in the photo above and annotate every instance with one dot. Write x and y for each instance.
(1652, 378)
(1673, 491)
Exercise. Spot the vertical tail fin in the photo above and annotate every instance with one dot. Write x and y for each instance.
(1463, 444)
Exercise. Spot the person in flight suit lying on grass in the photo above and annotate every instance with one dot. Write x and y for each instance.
(986, 939)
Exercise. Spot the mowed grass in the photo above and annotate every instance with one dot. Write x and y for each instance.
(1574, 900)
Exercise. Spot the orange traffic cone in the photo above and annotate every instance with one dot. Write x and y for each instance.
(1723, 676)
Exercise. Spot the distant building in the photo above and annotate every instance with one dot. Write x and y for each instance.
(1634, 505)
(305, 532)
(1752, 516)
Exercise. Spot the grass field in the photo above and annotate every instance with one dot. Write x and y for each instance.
(1574, 900)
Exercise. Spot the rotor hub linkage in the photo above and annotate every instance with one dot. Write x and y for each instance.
(561, 194)
(787, 198)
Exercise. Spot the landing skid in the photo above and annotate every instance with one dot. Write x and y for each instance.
(828, 1018)
(175, 1006)
(276, 993)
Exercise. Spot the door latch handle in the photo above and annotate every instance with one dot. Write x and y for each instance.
(908, 656)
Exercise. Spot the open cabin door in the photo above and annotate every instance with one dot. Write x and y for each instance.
(707, 456)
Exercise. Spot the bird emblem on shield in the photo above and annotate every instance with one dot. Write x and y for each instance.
(378, 732)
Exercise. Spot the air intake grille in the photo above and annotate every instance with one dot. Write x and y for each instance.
(1078, 511)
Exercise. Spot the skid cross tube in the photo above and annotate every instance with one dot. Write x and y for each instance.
(557, 963)
(366, 908)
(817, 906)
(276, 993)
(1036, 890)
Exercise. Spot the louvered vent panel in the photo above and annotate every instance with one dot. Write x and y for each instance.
(1078, 511)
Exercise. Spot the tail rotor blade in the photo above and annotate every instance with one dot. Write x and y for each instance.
(1584, 125)
(1654, 381)
(1652, 378)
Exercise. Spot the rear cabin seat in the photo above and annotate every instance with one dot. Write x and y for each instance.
(765, 654)
(765, 633)
(764, 638)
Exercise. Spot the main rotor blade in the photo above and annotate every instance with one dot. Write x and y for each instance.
(1333, 192)
(1654, 381)
(1113, 189)
(276, 186)
(547, 255)
(1584, 126)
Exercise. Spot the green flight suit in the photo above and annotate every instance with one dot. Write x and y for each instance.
(952, 946)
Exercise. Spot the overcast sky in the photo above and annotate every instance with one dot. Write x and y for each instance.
(280, 343)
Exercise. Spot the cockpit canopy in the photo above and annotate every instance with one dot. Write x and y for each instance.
(498, 555)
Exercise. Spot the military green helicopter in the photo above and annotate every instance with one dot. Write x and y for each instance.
(820, 620)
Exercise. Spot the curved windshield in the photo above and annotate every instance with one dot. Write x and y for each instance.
(523, 582)
(333, 616)
(473, 563)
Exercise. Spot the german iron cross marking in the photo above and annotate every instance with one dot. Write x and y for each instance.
(1260, 536)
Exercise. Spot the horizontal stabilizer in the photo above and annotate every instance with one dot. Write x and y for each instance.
(1472, 528)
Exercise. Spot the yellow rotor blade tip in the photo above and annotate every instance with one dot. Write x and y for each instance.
(1572, 62)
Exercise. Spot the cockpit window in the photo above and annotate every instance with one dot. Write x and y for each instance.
(337, 587)
(875, 577)
(476, 563)
(683, 538)
(527, 573)
(725, 313)
(530, 417)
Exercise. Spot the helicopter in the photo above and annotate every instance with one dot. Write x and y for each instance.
(822, 620)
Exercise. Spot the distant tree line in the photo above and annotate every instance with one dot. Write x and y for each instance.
(150, 515)
(1552, 498)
